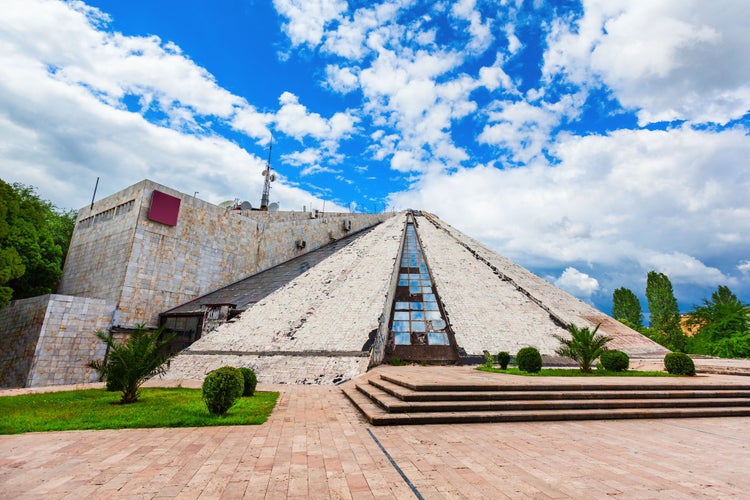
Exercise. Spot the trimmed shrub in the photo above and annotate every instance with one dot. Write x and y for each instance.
(489, 361)
(679, 363)
(615, 361)
(250, 381)
(503, 358)
(221, 388)
(529, 360)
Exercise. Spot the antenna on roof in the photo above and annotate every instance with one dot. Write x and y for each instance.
(269, 178)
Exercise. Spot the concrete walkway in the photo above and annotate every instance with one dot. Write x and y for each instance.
(316, 445)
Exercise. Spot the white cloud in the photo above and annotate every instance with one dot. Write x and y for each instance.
(296, 121)
(744, 266)
(577, 283)
(342, 80)
(632, 200)
(670, 60)
(307, 19)
(63, 119)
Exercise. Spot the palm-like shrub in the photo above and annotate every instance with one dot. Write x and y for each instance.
(128, 365)
(584, 346)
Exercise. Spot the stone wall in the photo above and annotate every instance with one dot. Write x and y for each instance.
(148, 267)
(48, 340)
(21, 322)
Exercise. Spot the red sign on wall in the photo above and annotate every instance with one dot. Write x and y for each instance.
(164, 208)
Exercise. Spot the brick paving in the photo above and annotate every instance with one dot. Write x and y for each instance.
(316, 445)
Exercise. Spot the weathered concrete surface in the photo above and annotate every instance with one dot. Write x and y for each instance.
(495, 304)
(333, 308)
(117, 253)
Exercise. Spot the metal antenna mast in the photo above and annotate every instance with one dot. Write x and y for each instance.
(270, 177)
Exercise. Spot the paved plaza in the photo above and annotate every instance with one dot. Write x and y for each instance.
(317, 445)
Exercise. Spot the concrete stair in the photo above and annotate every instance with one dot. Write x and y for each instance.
(390, 400)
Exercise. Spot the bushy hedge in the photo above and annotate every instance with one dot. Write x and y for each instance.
(221, 388)
(250, 381)
(503, 358)
(679, 363)
(615, 361)
(529, 360)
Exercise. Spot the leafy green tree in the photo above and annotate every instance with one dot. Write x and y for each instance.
(665, 314)
(584, 346)
(128, 365)
(723, 326)
(34, 237)
(626, 306)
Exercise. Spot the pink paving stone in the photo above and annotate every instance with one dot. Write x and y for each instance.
(330, 454)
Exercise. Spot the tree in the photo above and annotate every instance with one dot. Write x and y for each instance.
(34, 237)
(665, 314)
(723, 326)
(128, 365)
(583, 346)
(627, 307)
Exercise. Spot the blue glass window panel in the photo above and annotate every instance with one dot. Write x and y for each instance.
(403, 282)
(402, 306)
(429, 297)
(430, 315)
(426, 289)
(417, 316)
(416, 306)
(415, 289)
(401, 316)
(437, 325)
(437, 339)
(400, 326)
(431, 306)
(418, 326)
(402, 338)
(403, 276)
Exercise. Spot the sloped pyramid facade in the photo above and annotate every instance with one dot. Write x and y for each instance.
(334, 321)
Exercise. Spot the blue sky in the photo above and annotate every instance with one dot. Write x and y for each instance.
(589, 141)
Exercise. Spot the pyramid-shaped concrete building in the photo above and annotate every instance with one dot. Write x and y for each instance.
(412, 288)
(301, 296)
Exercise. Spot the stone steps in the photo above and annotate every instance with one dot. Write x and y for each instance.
(387, 400)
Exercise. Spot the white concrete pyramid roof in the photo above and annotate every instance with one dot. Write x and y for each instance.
(319, 328)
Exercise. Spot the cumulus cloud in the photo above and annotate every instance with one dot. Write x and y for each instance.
(577, 283)
(307, 19)
(634, 200)
(670, 60)
(64, 119)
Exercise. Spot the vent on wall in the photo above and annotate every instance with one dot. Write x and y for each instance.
(301, 244)
(347, 225)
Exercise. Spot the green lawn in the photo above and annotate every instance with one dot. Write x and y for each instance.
(575, 372)
(99, 409)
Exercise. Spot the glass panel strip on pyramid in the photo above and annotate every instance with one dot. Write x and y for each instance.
(417, 318)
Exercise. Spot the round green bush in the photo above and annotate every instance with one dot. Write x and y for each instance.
(679, 363)
(503, 358)
(529, 360)
(221, 388)
(615, 361)
(250, 381)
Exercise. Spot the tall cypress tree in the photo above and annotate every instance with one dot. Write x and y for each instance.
(626, 307)
(665, 314)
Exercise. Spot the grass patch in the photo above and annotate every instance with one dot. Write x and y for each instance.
(575, 372)
(99, 409)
